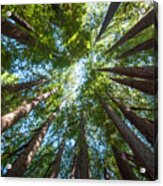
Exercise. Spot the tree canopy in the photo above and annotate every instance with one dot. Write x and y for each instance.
(79, 90)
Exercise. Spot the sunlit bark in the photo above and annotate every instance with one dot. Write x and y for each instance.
(9, 119)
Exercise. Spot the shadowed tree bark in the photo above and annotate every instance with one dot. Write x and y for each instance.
(148, 87)
(144, 126)
(141, 152)
(56, 164)
(21, 22)
(123, 165)
(110, 13)
(81, 167)
(9, 119)
(20, 165)
(23, 86)
(12, 31)
(147, 72)
(144, 23)
(149, 44)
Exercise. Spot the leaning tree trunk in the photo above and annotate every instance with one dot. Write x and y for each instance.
(110, 13)
(23, 86)
(141, 152)
(82, 165)
(9, 119)
(21, 22)
(144, 126)
(123, 165)
(147, 72)
(144, 23)
(148, 87)
(56, 164)
(147, 45)
(12, 31)
(20, 165)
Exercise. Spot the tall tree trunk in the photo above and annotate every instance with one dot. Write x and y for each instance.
(23, 86)
(9, 119)
(21, 22)
(20, 165)
(123, 165)
(149, 44)
(143, 109)
(147, 72)
(144, 23)
(141, 152)
(12, 31)
(82, 165)
(149, 87)
(144, 126)
(110, 13)
(56, 164)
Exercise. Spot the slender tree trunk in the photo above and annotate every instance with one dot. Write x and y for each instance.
(144, 23)
(123, 165)
(21, 22)
(106, 175)
(144, 126)
(148, 87)
(149, 44)
(20, 165)
(56, 164)
(143, 109)
(23, 86)
(147, 72)
(12, 31)
(82, 165)
(141, 152)
(110, 13)
(9, 119)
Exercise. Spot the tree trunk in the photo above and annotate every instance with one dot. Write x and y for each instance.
(23, 86)
(56, 164)
(9, 119)
(82, 165)
(20, 165)
(12, 31)
(110, 13)
(21, 22)
(149, 44)
(143, 109)
(141, 152)
(147, 72)
(144, 126)
(144, 23)
(149, 87)
(123, 165)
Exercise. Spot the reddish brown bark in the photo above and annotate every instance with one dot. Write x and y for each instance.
(21, 22)
(141, 152)
(147, 72)
(144, 126)
(144, 23)
(9, 119)
(110, 13)
(123, 165)
(149, 44)
(56, 164)
(148, 87)
(23, 86)
(20, 165)
(82, 164)
(12, 31)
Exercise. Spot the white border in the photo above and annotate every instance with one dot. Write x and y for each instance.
(56, 182)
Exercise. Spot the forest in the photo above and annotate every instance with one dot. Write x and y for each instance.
(79, 91)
